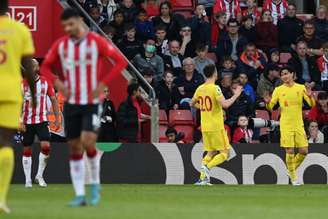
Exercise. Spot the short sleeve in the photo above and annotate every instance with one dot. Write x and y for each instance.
(28, 46)
(104, 46)
(51, 90)
(195, 97)
(217, 93)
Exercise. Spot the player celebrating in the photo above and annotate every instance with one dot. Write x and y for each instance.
(35, 123)
(290, 97)
(209, 99)
(80, 81)
(16, 48)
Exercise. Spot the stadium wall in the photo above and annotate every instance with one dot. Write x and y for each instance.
(180, 164)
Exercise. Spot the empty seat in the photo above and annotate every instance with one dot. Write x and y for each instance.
(284, 57)
(163, 117)
(181, 117)
(188, 131)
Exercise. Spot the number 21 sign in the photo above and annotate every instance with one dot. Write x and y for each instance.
(24, 14)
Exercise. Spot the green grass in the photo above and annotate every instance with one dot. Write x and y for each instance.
(176, 202)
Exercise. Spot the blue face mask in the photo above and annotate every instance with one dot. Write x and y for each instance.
(150, 48)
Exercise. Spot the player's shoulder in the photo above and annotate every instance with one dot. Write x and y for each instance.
(95, 36)
(299, 86)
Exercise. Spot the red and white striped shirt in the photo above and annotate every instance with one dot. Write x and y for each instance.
(277, 10)
(80, 63)
(231, 8)
(322, 63)
(37, 114)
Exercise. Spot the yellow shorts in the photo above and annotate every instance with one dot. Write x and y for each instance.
(216, 141)
(10, 113)
(292, 139)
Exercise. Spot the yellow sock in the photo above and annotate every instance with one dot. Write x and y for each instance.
(205, 161)
(290, 162)
(6, 171)
(218, 159)
(299, 159)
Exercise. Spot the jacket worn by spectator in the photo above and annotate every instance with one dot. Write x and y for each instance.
(266, 36)
(129, 13)
(289, 29)
(201, 30)
(107, 131)
(173, 63)
(266, 86)
(313, 43)
(225, 45)
(130, 48)
(167, 97)
(316, 114)
(128, 121)
(321, 29)
(144, 30)
(155, 63)
(191, 85)
(249, 34)
(172, 28)
(313, 72)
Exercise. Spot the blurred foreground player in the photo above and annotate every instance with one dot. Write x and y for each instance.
(290, 97)
(80, 81)
(35, 122)
(16, 48)
(210, 100)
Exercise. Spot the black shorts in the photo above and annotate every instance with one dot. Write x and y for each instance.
(80, 118)
(41, 130)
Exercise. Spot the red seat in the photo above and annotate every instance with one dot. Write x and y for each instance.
(275, 115)
(181, 117)
(284, 57)
(185, 4)
(263, 114)
(188, 131)
(162, 136)
(163, 117)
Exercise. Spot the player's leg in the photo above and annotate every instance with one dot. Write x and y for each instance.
(223, 146)
(218, 159)
(290, 163)
(302, 145)
(300, 156)
(6, 166)
(44, 137)
(28, 139)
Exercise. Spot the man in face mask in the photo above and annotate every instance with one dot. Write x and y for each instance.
(149, 59)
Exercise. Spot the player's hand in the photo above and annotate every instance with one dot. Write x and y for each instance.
(238, 91)
(308, 90)
(267, 98)
(22, 128)
(96, 93)
(59, 86)
(57, 125)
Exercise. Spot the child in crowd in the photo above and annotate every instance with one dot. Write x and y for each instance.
(162, 43)
(248, 30)
(228, 67)
(274, 57)
(315, 135)
(144, 27)
(201, 59)
(242, 134)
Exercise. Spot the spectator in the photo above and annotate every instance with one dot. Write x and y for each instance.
(313, 42)
(189, 81)
(252, 11)
(88, 4)
(129, 45)
(97, 18)
(201, 59)
(230, 7)
(173, 59)
(274, 56)
(319, 112)
(151, 7)
(228, 67)
(173, 136)
(109, 31)
(304, 66)
(130, 11)
(144, 27)
(251, 62)
(149, 59)
(321, 23)
(225, 84)
(231, 43)
(172, 22)
(278, 9)
(188, 44)
(107, 8)
(315, 135)
(248, 30)
(208, 4)
(322, 64)
(289, 28)
(242, 106)
(242, 134)
(118, 24)
(148, 74)
(167, 92)
(269, 80)
(266, 33)
(218, 28)
(248, 89)
(107, 132)
(200, 26)
(162, 43)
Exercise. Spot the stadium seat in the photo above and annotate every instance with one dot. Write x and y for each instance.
(275, 115)
(163, 117)
(181, 117)
(284, 57)
(188, 131)
(212, 55)
(182, 4)
(263, 114)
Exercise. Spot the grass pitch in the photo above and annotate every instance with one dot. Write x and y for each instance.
(176, 202)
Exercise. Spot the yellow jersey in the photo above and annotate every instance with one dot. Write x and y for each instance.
(290, 100)
(207, 96)
(15, 42)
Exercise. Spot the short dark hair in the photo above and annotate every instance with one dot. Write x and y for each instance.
(160, 27)
(271, 67)
(148, 72)
(200, 47)
(118, 11)
(142, 11)
(132, 88)
(171, 130)
(232, 20)
(168, 71)
(167, 3)
(288, 68)
(129, 26)
(149, 38)
(292, 4)
(242, 73)
(69, 13)
(3, 6)
(250, 45)
(209, 70)
(322, 96)
(309, 22)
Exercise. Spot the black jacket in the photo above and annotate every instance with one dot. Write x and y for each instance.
(296, 64)
(168, 64)
(250, 34)
(127, 121)
(189, 86)
(224, 46)
(201, 30)
(167, 98)
(321, 29)
(289, 29)
(130, 49)
(107, 131)
(129, 13)
(172, 28)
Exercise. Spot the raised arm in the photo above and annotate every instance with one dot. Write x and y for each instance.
(271, 101)
(226, 103)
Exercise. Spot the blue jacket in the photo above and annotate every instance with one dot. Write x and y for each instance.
(249, 91)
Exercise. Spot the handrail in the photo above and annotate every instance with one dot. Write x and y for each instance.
(152, 95)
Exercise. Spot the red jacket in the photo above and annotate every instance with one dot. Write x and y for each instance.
(322, 63)
(316, 115)
(240, 134)
(266, 35)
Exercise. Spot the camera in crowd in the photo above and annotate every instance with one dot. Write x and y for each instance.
(263, 123)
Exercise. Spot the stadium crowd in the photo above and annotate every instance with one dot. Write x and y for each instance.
(248, 45)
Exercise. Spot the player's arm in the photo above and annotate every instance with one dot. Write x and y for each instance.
(194, 101)
(55, 105)
(308, 96)
(271, 102)
(29, 75)
(119, 63)
(226, 103)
